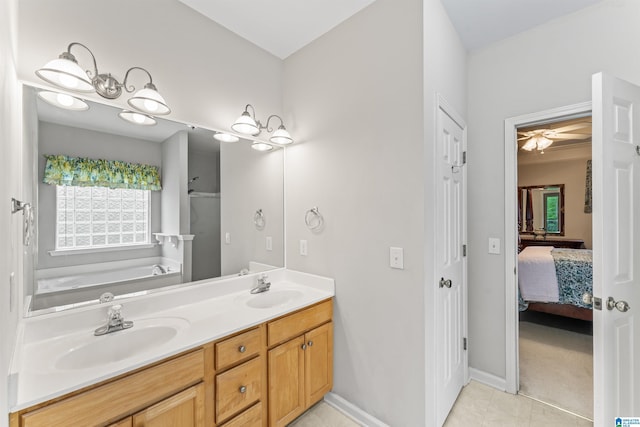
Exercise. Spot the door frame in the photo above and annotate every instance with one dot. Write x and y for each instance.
(512, 377)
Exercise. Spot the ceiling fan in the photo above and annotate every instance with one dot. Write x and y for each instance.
(542, 138)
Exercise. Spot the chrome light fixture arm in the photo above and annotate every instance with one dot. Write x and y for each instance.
(68, 55)
(132, 88)
(269, 119)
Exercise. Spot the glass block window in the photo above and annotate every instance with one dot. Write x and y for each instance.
(98, 217)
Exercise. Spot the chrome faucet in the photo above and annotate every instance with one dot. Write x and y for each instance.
(115, 322)
(158, 268)
(263, 285)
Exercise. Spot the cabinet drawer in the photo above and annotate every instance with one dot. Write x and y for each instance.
(238, 348)
(238, 388)
(109, 402)
(252, 417)
(295, 324)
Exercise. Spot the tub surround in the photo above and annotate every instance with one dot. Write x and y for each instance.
(205, 312)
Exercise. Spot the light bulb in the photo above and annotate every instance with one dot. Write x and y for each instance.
(150, 105)
(68, 81)
(65, 100)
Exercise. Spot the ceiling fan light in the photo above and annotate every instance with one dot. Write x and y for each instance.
(246, 125)
(530, 145)
(149, 100)
(281, 136)
(543, 142)
(64, 72)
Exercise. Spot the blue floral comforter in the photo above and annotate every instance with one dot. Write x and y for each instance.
(574, 270)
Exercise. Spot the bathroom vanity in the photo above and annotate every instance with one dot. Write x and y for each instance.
(236, 359)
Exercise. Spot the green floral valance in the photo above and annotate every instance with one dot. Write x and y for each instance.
(82, 172)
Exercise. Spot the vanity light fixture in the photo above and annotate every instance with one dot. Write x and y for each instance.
(62, 100)
(64, 72)
(225, 137)
(137, 118)
(248, 125)
(261, 146)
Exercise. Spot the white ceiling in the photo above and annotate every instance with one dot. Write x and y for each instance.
(284, 26)
(482, 22)
(278, 26)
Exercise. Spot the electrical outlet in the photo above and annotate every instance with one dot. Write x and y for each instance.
(396, 258)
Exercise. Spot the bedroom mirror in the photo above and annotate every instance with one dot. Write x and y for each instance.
(541, 210)
(118, 231)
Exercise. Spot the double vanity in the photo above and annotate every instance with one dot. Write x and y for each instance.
(204, 354)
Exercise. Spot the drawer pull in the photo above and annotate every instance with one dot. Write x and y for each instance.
(310, 343)
(242, 349)
(242, 389)
(303, 346)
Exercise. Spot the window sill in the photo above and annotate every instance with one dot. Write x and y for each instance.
(62, 252)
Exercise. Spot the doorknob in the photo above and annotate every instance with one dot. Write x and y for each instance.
(587, 298)
(445, 283)
(622, 306)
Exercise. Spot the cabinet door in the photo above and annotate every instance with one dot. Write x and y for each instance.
(286, 382)
(318, 363)
(127, 422)
(183, 409)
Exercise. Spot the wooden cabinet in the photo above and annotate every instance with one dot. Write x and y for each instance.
(264, 376)
(184, 409)
(300, 369)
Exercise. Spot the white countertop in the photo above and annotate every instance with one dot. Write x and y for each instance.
(203, 312)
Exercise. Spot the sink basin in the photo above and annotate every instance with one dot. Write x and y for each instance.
(273, 298)
(145, 335)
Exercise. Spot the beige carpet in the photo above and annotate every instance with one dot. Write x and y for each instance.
(556, 367)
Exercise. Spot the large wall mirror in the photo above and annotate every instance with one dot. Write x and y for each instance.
(541, 209)
(219, 210)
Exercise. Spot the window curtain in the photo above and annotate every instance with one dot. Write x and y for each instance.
(83, 172)
(588, 201)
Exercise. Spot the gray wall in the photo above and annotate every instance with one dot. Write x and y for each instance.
(502, 84)
(250, 180)
(10, 173)
(362, 98)
(75, 142)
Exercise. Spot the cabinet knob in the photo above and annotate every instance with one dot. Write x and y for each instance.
(242, 349)
(242, 389)
(310, 343)
(303, 346)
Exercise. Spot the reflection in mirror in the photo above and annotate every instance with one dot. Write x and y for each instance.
(110, 229)
(541, 209)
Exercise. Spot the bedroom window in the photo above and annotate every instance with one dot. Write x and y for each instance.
(552, 212)
(100, 217)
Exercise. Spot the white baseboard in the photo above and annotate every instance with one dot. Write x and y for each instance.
(488, 379)
(352, 411)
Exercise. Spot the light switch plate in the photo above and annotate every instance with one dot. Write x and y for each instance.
(227, 238)
(494, 245)
(396, 258)
(269, 243)
(303, 248)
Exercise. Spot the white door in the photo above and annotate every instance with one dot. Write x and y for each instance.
(616, 248)
(450, 262)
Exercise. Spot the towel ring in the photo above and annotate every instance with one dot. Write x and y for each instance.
(313, 219)
(259, 220)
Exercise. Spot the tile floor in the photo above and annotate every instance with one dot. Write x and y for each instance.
(478, 405)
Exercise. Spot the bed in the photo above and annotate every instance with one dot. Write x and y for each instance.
(553, 280)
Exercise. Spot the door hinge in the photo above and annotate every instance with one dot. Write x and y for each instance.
(464, 343)
(464, 250)
(464, 157)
